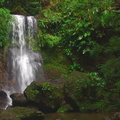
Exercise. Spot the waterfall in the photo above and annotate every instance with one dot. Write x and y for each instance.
(23, 65)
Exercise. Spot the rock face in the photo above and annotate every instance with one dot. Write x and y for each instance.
(18, 99)
(21, 113)
(48, 97)
(3, 100)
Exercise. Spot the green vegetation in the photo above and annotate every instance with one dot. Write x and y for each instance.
(45, 94)
(5, 18)
(85, 90)
(65, 109)
(21, 113)
(78, 26)
(80, 41)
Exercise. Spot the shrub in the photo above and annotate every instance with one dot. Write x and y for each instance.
(5, 18)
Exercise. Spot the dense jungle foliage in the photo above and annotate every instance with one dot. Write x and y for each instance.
(87, 32)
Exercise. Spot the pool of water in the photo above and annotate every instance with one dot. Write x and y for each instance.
(76, 116)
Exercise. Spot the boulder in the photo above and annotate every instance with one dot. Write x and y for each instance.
(55, 74)
(21, 113)
(65, 108)
(47, 96)
(4, 100)
(78, 91)
(18, 99)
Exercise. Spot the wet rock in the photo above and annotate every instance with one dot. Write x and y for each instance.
(3, 100)
(18, 99)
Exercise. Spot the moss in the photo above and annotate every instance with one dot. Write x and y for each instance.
(79, 91)
(53, 72)
(65, 109)
(55, 64)
(56, 58)
(21, 113)
(45, 95)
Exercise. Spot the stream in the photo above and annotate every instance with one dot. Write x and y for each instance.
(77, 116)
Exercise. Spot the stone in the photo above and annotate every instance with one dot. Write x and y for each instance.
(4, 101)
(18, 99)
(47, 96)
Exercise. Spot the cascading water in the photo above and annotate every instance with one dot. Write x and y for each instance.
(24, 65)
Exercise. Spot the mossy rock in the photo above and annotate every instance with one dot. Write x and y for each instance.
(46, 96)
(78, 92)
(21, 113)
(55, 74)
(65, 108)
(55, 57)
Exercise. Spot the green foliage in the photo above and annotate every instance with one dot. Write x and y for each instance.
(49, 26)
(83, 30)
(85, 89)
(47, 86)
(82, 20)
(113, 46)
(45, 94)
(75, 67)
(19, 113)
(25, 7)
(32, 7)
(50, 40)
(55, 63)
(102, 105)
(79, 27)
(91, 93)
(96, 80)
(5, 18)
(111, 69)
(65, 109)
(1, 2)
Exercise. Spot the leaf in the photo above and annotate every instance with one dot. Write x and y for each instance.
(80, 37)
(86, 50)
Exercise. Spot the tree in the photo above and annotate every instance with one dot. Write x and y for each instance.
(1, 2)
(5, 18)
(80, 26)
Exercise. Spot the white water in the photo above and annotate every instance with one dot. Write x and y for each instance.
(24, 65)
(18, 30)
(31, 31)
